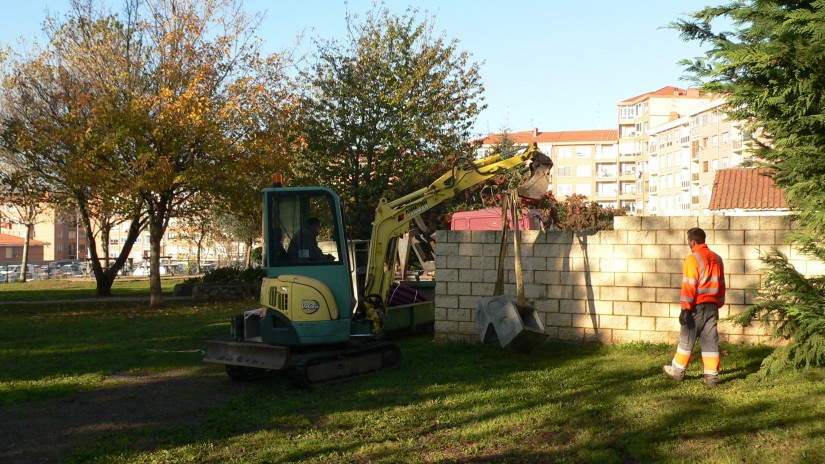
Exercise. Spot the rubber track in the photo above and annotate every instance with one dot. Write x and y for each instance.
(339, 365)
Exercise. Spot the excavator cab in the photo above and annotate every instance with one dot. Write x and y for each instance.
(308, 296)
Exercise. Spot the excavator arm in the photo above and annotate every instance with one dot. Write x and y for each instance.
(392, 218)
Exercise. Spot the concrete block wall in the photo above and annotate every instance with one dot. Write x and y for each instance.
(611, 286)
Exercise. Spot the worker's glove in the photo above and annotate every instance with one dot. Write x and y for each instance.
(684, 316)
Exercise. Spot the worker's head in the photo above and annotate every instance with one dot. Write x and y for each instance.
(314, 224)
(695, 236)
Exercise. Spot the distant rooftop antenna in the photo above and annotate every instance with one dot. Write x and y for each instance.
(598, 116)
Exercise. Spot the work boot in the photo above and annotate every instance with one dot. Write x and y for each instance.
(711, 380)
(673, 373)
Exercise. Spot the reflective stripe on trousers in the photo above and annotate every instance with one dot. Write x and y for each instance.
(701, 325)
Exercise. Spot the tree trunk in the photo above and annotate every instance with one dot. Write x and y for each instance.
(156, 231)
(25, 265)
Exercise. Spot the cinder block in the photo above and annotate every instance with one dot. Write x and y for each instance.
(600, 336)
(468, 328)
(670, 237)
(535, 263)
(613, 237)
(720, 223)
(482, 288)
(641, 237)
(683, 223)
(572, 278)
(613, 265)
(653, 251)
(459, 288)
(735, 296)
(744, 223)
(641, 294)
(459, 314)
(586, 292)
(741, 252)
(625, 336)
(573, 306)
(571, 333)
(558, 320)
(641, 323)
(627, 308)
(548, 277)
(534, 291)
(547, 250)
(614, 293)
(560, 292)
(547, 306)
(655, 309)
(635, 268)
(760, 238)
(653, 279)
(473, 274)
(468, 301)
(742, 281)
(603, 279)
(445, 327)
(775, 222)
(660, 337)
(584, 320)
(440, 314)
(668, 295)
(559, 236)
(728, 237)
(667, 324)
(613, 322)
(630, 251)
(627, 222)
(655, 223)
(446, 274)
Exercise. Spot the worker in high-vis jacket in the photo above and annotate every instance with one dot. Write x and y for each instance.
(703, 293)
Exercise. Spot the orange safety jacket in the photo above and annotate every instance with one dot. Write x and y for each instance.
(703, 278)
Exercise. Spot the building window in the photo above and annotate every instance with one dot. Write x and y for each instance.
(704, 166)
(564, 152)
(583, 152)
(565, 190)
(583, 171)
(725, 138)
(9, 253)
(564, 171)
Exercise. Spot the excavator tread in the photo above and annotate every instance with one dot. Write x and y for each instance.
(319, 368)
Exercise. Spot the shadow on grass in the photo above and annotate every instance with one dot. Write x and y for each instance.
(454, 403)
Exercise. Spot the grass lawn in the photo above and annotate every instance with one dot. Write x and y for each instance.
(66, 289)
(453, 403)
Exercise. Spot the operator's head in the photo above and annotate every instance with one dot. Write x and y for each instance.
(695, 236)
(314, 224)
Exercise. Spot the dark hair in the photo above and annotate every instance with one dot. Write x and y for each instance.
(696, 234)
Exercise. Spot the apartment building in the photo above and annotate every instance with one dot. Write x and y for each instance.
(585, 162)
(684, 155)
(636, 116)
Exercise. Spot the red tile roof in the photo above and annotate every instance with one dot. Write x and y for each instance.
(669, 91)
(579, 136)
(746, 188)
(13, 240)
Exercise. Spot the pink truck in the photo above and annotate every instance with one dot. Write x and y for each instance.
(490, 219)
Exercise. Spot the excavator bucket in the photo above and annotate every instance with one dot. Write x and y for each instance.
(517, 328)
(536, 185)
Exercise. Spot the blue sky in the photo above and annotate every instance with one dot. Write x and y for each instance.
(555, 65)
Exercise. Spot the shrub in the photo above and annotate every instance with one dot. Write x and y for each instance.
(232, 274)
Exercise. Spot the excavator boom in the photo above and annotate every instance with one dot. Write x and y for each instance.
(392, 218)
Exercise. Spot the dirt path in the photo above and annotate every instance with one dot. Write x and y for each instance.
(44, 431)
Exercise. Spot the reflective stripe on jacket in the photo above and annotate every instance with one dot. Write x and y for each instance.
(703, 278)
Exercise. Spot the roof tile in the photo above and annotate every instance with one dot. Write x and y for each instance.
(746, 188)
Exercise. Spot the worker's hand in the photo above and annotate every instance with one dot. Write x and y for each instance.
(685, 316)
